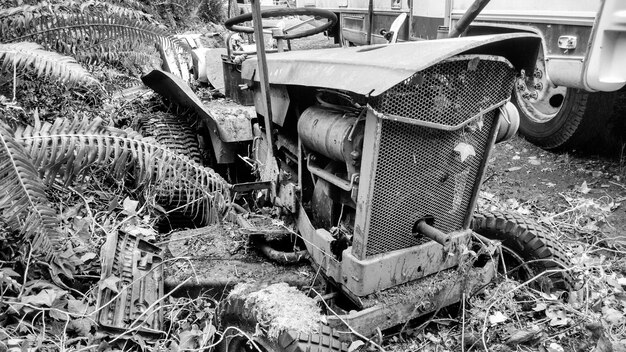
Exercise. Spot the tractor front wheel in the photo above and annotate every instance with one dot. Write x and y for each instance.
(527, 249)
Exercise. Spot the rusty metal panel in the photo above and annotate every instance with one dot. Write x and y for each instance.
(280, 103)
(401, 303)
(232, 129)
(450, 94)
(374, 69)
(137, 264)
(372, 274)
(411, 170)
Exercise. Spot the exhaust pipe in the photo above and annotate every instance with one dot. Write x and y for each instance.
(468, 17)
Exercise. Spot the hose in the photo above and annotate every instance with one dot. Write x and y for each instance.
(282, 257)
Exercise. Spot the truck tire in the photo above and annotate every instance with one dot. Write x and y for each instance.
(571, 118)
(557, 117)
(236, 320)
(527, 246)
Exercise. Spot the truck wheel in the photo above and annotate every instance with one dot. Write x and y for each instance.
(238, 320)
(559, 117)
(527, 249)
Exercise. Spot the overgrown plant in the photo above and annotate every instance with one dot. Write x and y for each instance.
(23, 202)
(23, 55)
(89, 31)
(68, 150)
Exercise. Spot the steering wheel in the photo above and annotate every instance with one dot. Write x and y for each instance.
(234, 23)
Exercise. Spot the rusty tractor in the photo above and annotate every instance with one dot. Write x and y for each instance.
(375, 155)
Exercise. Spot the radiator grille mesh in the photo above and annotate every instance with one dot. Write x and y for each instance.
(451, 92)
(418, 173)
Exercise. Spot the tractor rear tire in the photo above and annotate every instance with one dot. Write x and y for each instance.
(236, 319)
(175, 133)
(528, 247)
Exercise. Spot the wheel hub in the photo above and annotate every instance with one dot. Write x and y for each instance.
(537, 96)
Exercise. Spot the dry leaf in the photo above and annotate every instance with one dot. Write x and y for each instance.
(555, 347)
(584, 189)
(110, 283)
(612, 315)
(78, 307)
(355, 345)
(43, 298)
(130, 207)
(497, 318)
(523, 336)
(465, 150)
(557, 317)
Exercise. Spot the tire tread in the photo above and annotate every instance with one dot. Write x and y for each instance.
(536, 243)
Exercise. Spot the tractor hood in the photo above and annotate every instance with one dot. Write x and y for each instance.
(371, 70)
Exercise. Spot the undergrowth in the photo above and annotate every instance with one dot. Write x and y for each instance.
(38, 314)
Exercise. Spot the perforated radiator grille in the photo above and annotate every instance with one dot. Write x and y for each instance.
(425, 163)
(451, 92)
(418, 173)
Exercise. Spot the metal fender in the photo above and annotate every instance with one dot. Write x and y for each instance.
(373, 69)
(225, 132)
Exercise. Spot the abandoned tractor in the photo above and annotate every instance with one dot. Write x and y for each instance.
(375, 155)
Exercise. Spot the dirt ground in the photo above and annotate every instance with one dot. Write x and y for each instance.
(555, 188)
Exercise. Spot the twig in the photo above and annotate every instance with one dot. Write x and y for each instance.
(30, 254)
(88, 208)
(525, 283)
(14, 80)
(463, 324)
(484, 329)
(314, 278)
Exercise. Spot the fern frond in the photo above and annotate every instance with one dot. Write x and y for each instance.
(26, 55)
(109, 8)
(114, 55)
(23, 203)
(91, 6)
(20, 10)
(69, 148)
(84, 31)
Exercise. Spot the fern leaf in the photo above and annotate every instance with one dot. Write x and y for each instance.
(88, 30)
(76, 28)
(91, 6)
(114, 55)
(69, 148)
(108, 8)
(23, 10)
(23, 203)
(26, 56)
